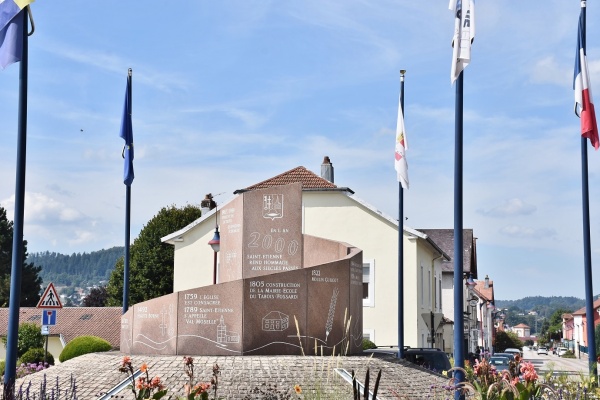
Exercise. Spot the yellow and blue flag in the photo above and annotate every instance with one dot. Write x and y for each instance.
(11, 31)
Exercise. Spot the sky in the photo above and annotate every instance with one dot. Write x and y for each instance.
(230, 93)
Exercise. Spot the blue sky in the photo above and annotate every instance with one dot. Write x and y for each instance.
(229, 93)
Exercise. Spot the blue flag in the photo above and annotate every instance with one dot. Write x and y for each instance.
(127, 135)
(11, 31)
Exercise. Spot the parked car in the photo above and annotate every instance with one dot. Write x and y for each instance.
(510, 356)
(499, 362)
(561, 351)
(542, 350)
(433, 359)
(514, 351)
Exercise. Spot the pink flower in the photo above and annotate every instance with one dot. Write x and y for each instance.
(528, 371)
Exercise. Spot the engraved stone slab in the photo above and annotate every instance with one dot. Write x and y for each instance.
(329, 308)
(272, 230)
(155, 326)
(210, 320)
(126, 331)
(230, 255)
(356, 301)
(272, 304)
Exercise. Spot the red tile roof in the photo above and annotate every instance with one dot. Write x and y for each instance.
(104, 322)
(582, 310)
(487, 292)
(309, 180)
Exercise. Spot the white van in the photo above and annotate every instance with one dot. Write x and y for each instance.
(561, 351)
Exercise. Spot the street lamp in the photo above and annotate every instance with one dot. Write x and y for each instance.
(470, 283)
(215, 243)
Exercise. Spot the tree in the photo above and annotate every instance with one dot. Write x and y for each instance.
(597, 338)
(505, 340)
(96, 298)
(151, 264)
(552, 327)
(31, 282)
(29, 337)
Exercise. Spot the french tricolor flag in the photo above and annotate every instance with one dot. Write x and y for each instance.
(584, 105)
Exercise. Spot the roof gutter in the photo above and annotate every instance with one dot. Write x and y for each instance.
(336, 189)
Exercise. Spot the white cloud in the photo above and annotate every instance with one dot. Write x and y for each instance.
(509, 207)
(528, 232)
(41, 209)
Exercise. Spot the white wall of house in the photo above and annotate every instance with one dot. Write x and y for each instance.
(334, 215)
(448, 309)
(194, 258)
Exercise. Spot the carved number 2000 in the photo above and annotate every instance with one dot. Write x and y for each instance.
(267, 242)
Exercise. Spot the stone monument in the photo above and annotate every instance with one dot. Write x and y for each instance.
(280, 292)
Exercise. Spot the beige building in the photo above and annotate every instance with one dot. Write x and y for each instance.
(444, 238)
(336, 213)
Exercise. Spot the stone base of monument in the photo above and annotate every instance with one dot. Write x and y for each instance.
(311, 305)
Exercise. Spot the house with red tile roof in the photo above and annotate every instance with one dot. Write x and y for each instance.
(576, 325)
(71, 322)
(335, 212)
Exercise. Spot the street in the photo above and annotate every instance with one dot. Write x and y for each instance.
(551, 362)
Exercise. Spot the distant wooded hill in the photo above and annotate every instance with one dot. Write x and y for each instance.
(518, 311)
(77, 269)
(544, 306)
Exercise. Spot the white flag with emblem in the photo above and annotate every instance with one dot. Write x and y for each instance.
(401, 146)
(464, 32)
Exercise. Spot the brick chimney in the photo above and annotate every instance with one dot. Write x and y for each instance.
(487, 282)
(327, 169)
(207, 204)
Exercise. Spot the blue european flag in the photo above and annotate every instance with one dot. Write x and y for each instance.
(127, 135)
(11, 32)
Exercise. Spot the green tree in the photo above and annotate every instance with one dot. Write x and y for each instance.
(96, 298)
(31, 283)
(597, 336)
(552, 327)
(29, 337)
(505, 340)
(151, 263)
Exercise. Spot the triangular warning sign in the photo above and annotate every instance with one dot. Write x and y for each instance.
(50, 298)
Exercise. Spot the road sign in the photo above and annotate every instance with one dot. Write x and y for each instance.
(50, 298)
(49, 317)
(45, 330)
(437, 319)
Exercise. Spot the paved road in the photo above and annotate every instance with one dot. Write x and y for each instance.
(557, 364)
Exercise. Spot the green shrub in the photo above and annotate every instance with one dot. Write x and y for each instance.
(367, 344)
(29, 336)
(2, 367)
(83, 345)
(568, 354)
(35, 356)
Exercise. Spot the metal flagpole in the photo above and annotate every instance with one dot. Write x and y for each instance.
(401, 244)
(17, 248)
(459, 355)
(587, 253)
(127, 208)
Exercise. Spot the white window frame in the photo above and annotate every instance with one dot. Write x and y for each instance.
(370, 301)
(371, 333)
